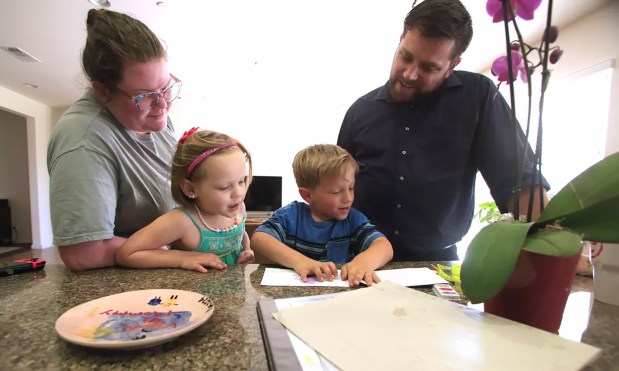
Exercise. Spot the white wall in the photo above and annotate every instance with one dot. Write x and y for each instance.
(273, 131)
(588, 42)
(303, 79)
(56, 113)
(14, 173)
(275, 111)
(38, 119)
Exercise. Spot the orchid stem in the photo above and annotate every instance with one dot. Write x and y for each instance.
(507, 11)
(527, 70)
(544, 85)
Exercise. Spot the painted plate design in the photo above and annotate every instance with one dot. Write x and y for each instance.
(134, 319)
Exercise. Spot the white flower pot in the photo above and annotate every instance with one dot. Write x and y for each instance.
(605, 259)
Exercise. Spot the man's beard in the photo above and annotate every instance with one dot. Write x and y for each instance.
(414, 95)
(416, 85)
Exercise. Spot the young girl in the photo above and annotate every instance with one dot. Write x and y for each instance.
(210, 175)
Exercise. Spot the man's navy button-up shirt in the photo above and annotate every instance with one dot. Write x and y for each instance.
(419, 160)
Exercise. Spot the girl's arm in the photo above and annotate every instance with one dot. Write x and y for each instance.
(247, 255)
(143, 248)
(245, 243)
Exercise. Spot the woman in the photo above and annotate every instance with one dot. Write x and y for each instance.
(109, 155)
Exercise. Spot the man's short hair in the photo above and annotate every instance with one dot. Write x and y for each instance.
(442, 18)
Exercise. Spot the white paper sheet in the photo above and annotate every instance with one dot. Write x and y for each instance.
(391, 327)
(307, 357)
(404, 276)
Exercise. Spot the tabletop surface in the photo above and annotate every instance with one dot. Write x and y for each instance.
(30, 303)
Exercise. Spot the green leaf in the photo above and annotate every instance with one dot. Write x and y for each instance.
(597, 184)
(554, 242)
(599, 222)
(488, 212)
(491, 258)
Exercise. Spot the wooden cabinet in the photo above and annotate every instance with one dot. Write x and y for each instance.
(251, 223)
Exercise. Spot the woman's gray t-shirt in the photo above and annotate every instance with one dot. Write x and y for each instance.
(105, 180)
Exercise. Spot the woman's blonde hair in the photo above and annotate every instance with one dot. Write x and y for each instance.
(113, 40)
(189, 149)
(316, 162)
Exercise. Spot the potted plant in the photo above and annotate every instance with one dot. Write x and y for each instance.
(488, 212)
(523, 269)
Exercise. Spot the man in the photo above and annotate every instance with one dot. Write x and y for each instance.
(421, 138)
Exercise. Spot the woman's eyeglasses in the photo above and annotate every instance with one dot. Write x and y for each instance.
(148, 101)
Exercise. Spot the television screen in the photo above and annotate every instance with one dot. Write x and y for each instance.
(264, 194)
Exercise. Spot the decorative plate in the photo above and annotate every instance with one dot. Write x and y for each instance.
(134, 319)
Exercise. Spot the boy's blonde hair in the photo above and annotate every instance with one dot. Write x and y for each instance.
(319, 161)
(192, 146)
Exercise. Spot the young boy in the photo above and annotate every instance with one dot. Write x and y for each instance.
(311, 236)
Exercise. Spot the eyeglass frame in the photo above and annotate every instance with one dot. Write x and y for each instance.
(137, 98)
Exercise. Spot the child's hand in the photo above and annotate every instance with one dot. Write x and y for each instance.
(197, 261)
(246, 256)
(356, 270)
(310, 267)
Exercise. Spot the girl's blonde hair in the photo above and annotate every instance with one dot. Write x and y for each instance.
(316, 162)
(192, 146)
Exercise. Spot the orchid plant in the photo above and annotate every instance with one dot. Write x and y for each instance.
(586, 208)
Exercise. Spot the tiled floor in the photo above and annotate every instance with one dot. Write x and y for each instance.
(50, 255)
(10, 250)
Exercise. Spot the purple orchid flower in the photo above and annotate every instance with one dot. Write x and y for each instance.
(501, 70)
(555, 55)
(522, 8)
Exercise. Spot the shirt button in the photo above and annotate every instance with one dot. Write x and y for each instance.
(403, 152)
(401, 178)
(396, 233)
(398, 206)
(407, 128)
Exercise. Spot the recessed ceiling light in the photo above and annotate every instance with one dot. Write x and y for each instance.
(101, 3)
(29, 85)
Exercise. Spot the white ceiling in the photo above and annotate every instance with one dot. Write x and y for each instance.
(230, 49)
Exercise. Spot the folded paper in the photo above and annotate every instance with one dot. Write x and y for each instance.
(390, 327)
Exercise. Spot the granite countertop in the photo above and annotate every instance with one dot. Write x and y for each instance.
(30, 303)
